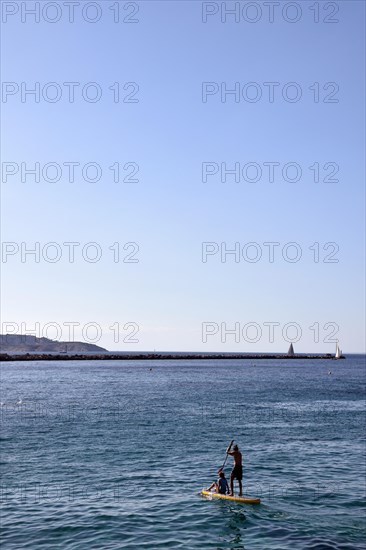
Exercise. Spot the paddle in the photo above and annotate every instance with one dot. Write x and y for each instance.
(228, 449)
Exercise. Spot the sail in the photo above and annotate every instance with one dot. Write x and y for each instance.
(291, 350)
(338, 353)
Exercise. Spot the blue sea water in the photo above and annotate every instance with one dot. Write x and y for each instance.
(113, 454)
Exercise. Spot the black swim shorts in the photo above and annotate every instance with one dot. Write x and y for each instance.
(237, 472)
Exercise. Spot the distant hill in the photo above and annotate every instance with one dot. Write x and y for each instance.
(24, 343)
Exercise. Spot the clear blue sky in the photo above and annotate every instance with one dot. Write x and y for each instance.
(169, 212)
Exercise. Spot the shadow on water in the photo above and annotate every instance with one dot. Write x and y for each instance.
(237, 517)
(234, 520)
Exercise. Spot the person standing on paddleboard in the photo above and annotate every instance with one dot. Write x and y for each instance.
(237, 471)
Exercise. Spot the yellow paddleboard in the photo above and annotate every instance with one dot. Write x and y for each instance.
(246, 500)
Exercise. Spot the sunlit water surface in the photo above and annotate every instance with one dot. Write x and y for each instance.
(113, 454)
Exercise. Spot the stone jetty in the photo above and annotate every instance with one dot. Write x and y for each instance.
(156, 356)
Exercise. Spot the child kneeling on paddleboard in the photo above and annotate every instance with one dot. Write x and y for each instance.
(221, 485)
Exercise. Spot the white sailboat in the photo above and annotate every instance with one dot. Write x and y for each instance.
(338, 353)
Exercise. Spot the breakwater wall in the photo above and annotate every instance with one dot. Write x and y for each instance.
(154, 356)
